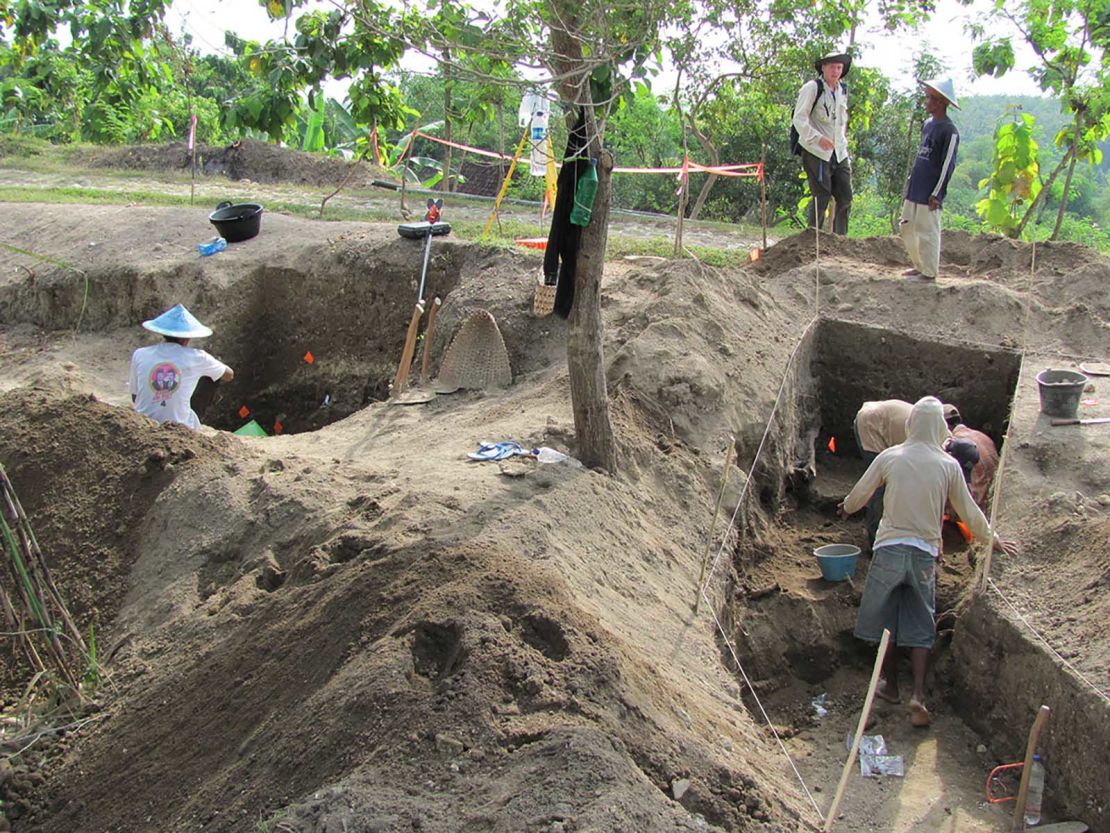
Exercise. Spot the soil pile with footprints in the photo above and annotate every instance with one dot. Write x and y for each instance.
(353, 627)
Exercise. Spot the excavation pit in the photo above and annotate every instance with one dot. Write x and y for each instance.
(794, 629)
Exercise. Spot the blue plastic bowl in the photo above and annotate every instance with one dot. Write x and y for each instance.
(837, 561)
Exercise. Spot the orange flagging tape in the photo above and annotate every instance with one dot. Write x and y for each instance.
(746, 169)
(308, 357)
(832, 444)
(244, 412)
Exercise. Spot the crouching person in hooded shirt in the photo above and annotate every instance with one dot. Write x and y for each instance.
(164, 377)
(901, 583)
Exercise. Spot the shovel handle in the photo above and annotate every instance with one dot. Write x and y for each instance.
(1018, 821)
(429, 331)
(400, 381)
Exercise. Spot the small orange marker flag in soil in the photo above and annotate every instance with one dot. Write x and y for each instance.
(244, 412)
(832, 444)
(278, 427)
(308, 357)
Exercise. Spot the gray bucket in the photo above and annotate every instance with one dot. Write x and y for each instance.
(1060, 392)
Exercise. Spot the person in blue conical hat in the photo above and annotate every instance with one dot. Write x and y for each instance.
(928, 183)
(165, 377)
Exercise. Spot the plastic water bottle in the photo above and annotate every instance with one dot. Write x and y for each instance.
(1035, 794)
(584, 194)
(216, 244)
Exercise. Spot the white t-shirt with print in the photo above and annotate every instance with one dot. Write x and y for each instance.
(164, 376)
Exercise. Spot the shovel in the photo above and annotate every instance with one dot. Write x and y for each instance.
(431, 227)
(1095, 421)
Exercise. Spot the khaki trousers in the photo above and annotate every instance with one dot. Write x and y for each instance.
(920, 230)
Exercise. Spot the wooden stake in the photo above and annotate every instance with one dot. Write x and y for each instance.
(763, 191)
(713, 523)
(1018, 823)
(863, 715)
(401, 380)
(429, 331)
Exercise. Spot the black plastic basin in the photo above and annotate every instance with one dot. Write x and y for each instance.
(238, 222)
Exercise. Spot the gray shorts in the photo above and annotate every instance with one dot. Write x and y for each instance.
(899, 595)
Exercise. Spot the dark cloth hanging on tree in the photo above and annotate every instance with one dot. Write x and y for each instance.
(560, 260)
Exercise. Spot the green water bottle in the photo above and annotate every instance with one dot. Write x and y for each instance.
(584, 192)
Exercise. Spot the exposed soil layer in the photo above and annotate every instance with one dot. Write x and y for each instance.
(246, 159)
(353, 627)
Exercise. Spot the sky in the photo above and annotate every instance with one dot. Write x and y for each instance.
(943, 36)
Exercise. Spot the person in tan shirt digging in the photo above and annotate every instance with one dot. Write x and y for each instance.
(879, 425)
(919, 478)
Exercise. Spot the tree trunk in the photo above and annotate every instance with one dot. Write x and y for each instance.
(1067, 181)
(589, 396)
(447, 84)
(714, 160)
(1042, 195)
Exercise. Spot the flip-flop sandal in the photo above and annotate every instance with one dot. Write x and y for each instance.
(919, 715)
(496, 451)
(883, 696)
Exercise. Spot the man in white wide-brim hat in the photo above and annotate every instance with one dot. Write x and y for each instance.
(928, 184)
(821, 121)
(164, 376)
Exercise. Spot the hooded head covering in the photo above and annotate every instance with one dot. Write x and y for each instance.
(952, 414)
(177, 322)
(840, 57)
(943, 87)
(926, 422)
(966, 453)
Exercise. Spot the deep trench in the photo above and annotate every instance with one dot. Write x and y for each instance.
(785, 637)
(309, 351)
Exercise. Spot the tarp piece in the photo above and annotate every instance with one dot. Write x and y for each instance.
(251, 429)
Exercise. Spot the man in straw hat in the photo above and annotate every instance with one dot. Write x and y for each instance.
(901, 583)
(164, 376)
(821, 119)
(928, 184)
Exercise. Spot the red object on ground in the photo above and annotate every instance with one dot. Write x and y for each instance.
(532, 242)
(278, 427)
(308, 357)
(832, 444)
(244, 412)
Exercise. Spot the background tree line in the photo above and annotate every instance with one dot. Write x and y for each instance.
(125, 78)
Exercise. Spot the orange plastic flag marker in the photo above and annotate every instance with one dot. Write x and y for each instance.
(832, 444)
(244, 412)
(308, 357)
(753, 255)
(278, 427)
(965, 531)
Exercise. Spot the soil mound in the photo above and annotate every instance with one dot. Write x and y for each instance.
(86, 474)
(245, 159)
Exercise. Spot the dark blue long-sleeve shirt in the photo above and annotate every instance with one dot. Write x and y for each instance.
(936, 159)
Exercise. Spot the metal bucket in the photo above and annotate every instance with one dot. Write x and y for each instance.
(1060, 392)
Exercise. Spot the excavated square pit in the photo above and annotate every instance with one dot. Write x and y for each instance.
(849, 364)
(801, 481)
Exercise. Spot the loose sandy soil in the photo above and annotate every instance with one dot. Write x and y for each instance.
(350, 627)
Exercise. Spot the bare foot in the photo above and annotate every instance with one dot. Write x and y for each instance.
(909, 273)
(887, 692)
(919, 715)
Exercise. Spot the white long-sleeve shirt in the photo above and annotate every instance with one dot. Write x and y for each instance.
(826, 116)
